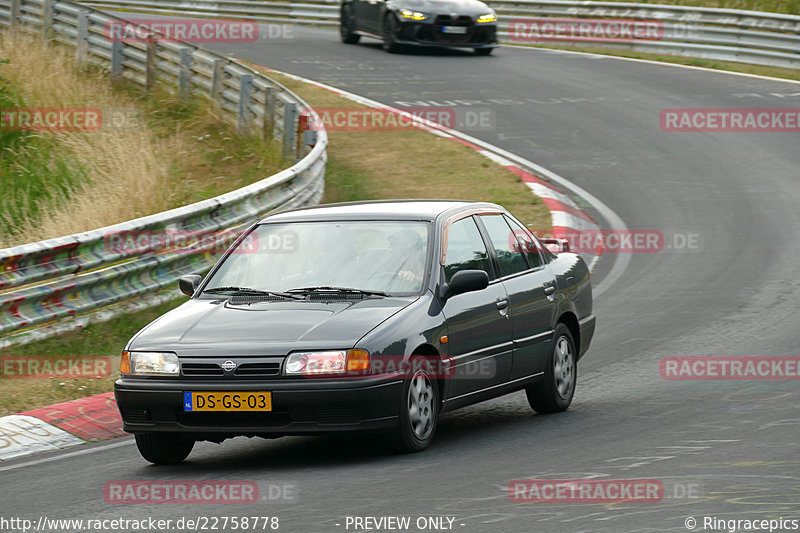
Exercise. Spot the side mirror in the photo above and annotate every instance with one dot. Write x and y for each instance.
(464, 281)
(188, 284)
(557, 246)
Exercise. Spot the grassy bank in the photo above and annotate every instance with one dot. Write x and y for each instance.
(153, 152)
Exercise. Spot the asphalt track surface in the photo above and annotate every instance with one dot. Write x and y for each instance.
(731, 445)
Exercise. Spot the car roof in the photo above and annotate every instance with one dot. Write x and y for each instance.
(378, 210)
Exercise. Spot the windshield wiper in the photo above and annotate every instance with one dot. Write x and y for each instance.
(259, 292)
(327, 288)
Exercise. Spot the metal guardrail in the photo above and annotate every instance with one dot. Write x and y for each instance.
(722, 34)
(47, 281)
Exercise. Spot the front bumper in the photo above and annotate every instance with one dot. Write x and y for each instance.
(299, 407)
(430, 34)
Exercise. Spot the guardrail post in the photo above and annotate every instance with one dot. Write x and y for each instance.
(116, 59)
(14, 10)
(217, 79)
(243, 115)
(302, 126)
(150, 62)
(185, 73)
(47, 19)
(289, 131)
(82, 38)
(268, 125)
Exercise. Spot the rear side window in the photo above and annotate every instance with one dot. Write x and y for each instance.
(465, 249)
(527, 243)
(506, 247)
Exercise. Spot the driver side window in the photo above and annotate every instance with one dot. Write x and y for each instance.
(465, 249)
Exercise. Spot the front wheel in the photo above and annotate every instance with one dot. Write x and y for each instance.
(347, 28)
(163, 448)
(419, 410)
(483, 51)
(389, 26)
(555, 392)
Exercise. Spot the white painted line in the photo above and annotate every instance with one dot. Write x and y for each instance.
(93, 449)
(568, 220)
(22, 435)
(543, 191)
(502, 161)
(652, 62)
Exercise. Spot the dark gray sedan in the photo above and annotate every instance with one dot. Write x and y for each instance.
(440, 23)
(363, 316)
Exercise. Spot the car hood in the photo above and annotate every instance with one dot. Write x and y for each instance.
(444, 7)
(214, 328)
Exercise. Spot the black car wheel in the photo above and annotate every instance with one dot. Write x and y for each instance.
(347, 28)
(163, 448)
(483, 51)
(419, 410)
(389, 28)
(554, 393)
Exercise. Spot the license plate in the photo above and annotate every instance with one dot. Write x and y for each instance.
(457, 30)
(227, 401)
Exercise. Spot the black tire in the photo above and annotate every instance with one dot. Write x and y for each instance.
(554, 393)
(163, 448)
(389, 26)
(483, 51)
(347, 28)
(419, 410)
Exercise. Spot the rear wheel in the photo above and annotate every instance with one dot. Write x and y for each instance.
(163, 448)
(347, 28)
(483, 51)
(419, 409)
(389, 28)
(555, 392)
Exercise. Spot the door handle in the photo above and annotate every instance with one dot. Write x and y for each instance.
(549, 289)
(502, 304)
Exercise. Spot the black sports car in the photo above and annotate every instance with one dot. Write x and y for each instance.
(460, 23)
(354, 317)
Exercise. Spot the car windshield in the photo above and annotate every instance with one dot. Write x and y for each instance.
(372, 256)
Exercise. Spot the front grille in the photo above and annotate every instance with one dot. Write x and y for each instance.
(258, 369)
(246, 367)
(447, 20)
(202, 369)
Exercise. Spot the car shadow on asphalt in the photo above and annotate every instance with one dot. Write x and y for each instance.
(471, 428)
(423, 51)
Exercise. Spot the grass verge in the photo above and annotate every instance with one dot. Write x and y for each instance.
(361, 166)
(153, 152)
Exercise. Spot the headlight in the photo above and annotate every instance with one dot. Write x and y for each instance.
(330, 362)
(413, 15)
(150, 364)
(488, 17)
